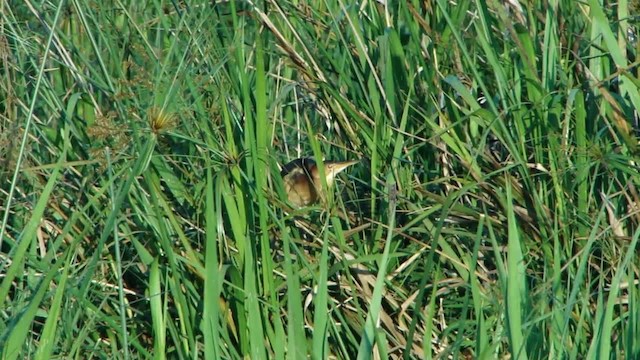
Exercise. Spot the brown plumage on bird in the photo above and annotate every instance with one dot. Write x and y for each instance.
(302, 179)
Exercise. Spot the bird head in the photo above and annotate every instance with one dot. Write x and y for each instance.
(302, 179)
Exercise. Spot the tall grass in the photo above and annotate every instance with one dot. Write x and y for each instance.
(143, 215)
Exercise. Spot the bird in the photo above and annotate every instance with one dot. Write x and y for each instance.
(302, 179)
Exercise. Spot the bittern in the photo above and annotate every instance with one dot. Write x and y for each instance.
(302, 179)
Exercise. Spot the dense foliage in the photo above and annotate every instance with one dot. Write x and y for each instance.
(494, 212)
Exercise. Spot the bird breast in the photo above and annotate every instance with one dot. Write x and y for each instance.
(300, 190)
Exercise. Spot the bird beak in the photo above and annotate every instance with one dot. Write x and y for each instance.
(336, 168)
(332, 169)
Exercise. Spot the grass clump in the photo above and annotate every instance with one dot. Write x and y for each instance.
(493, 215)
